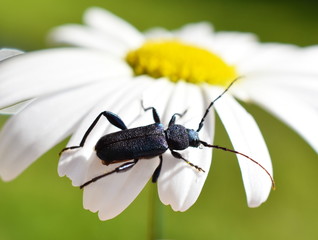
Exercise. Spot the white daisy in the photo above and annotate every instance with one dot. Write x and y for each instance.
(114, 67)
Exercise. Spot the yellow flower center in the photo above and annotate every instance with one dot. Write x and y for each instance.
(179, 61)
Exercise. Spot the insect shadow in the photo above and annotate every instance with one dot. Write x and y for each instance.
(128, 146)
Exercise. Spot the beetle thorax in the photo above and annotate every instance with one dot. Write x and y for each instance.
(177, 137)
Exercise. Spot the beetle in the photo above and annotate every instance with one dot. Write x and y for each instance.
(128, 146)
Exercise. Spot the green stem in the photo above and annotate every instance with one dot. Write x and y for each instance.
(155, 215)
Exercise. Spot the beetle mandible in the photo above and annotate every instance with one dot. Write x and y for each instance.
(128, 146)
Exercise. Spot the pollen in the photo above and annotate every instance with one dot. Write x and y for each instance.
(178, 61)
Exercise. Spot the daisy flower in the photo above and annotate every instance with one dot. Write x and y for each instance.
(114, 67)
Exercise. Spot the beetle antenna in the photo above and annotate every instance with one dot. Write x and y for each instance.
(212, 103)
(236, 152)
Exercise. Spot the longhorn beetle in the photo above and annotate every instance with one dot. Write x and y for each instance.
(128, 146)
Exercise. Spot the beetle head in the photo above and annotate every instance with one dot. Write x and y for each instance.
(194, 140)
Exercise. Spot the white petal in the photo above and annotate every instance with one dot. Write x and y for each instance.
(115, 27)
(295, 112)
(6, 53)
(112, 194)
(75, 163)
(309, 58)
(280, 58)
(158, 33)
(200, 34)
(179, 184)
(196, 33)
(191, 32)
(37, 73)
(198, 29)
(302, 86)
(304, 92)
(82, 36)
(247, 139)
(41, 125)
(233, 47)
(15, 108)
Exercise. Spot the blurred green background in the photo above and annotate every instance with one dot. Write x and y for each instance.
(40, 205)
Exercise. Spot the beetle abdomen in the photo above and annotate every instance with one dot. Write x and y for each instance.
(136, 143)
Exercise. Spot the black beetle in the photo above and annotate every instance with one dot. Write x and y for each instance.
(146, 142)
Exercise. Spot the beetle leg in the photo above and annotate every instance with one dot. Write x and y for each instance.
(156, 173)
(114, 119)
(173, 118)
(122, 168)
(179, 156)
(154, 112)
(111, 117)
